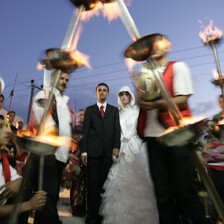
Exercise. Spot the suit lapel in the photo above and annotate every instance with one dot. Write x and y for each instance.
(108, 110)
(96, 110)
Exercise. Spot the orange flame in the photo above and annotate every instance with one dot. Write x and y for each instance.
(80, 58)
(111, 11)
(48, 136)
(162, 44)
(40, 66)
(87, 15)
(220, 122)
(215, 74)
(210, 32)
(184, 122)
(130, 64)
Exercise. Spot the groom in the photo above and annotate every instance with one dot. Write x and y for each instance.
(101, 142)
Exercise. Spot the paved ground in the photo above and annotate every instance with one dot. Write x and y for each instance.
(64, 209)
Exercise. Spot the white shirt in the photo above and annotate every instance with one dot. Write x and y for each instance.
(64, 119)
(102, 104)
(182, 85)
(14, 176)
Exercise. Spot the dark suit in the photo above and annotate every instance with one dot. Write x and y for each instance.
(101, 136)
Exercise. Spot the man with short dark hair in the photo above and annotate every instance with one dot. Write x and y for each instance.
(62, 118)
(11, 118)
(218, 117)
(101, 142)
(172, 168)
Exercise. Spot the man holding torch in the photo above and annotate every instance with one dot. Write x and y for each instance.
(61, 117)
(172, 169)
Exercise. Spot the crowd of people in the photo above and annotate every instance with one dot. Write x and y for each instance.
(112, 162)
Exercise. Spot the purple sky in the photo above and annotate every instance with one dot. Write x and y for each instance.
(29, 27)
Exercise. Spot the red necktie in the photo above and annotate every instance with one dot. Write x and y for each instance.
(102, 111)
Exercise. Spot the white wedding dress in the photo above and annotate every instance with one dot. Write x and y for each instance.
(129, 193)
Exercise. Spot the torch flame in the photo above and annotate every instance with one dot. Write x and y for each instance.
(210, 32)
(215, 74)
(40, 66)
(184, 122)
(87, 15)
(111, 11)
(80, 58)
(220, 122)
(163, 44)
(48, 136)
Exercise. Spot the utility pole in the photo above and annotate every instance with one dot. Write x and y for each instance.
(12, 92)
(30, 103)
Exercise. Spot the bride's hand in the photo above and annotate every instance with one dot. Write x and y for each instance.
(115, 153)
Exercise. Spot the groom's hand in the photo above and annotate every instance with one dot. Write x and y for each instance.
(84, 159)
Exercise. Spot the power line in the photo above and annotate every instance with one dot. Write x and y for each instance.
(122, 62)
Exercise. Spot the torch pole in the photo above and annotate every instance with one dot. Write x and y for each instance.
(128, 21)
(65, 45)
(209, 185)
(72, 28)
(29, 109)
(218, 67)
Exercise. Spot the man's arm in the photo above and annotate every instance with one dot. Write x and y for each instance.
(83, 148)
(180, 101)
(35, 203)
(117, 138)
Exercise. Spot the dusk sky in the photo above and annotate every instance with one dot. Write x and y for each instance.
(29, 27)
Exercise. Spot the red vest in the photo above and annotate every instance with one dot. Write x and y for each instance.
(6, 168)
(164, 116)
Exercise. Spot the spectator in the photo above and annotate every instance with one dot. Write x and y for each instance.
(218, 117)
(11, 117)
(3, 112)
(212, 133)
(10, 182)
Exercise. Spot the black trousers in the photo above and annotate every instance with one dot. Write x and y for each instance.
(97, 171)
(173, 174)
(51, 184)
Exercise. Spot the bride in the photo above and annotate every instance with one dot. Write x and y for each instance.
(129, 194)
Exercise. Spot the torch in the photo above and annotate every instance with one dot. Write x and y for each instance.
(183, 132)
(211, 37)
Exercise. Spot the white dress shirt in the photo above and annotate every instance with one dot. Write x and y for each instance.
(64, 119)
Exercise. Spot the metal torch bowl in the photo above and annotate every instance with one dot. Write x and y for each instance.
(141, 49)
(61, 59)
(31, 145)
(213, 41)
(216, 82)
(183, 135)
(107, 1)
(88, 4)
